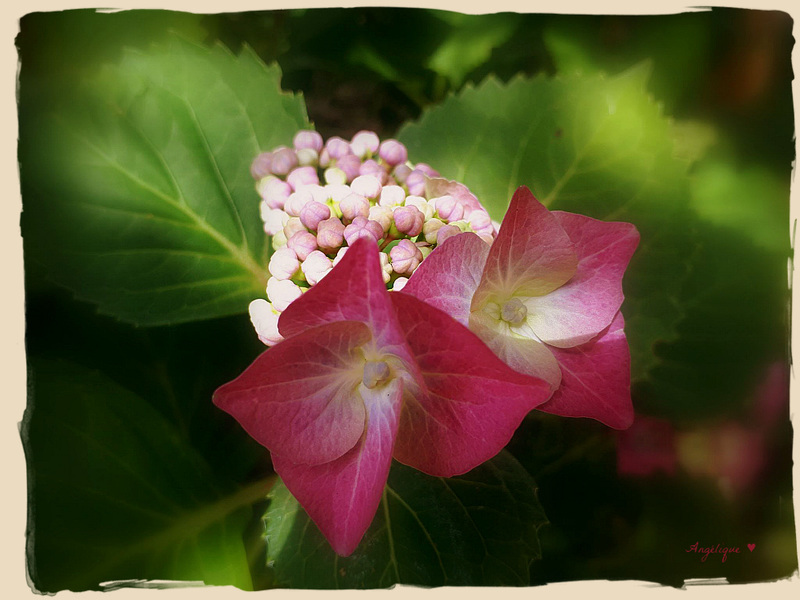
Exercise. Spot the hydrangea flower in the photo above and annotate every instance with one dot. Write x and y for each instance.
(319, 197)
(363, 376)
(546, 297)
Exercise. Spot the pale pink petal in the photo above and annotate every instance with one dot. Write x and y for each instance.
(353, 291)
(450, 274)
(527, 355)
(596, 379)
(531, 256)
(438, 186)
(584, 306)
(342, 496)
(297, 398)
(470, 404)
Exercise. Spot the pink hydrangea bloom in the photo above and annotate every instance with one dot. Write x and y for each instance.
(364, 376)
(545, 296)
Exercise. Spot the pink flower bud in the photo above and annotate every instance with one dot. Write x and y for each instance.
(399, 284)
(480, 222)
(302, 176)
(282, 292)
(401, 172)
(371, 167)
(303, 243)
(431, 230)
(308, 139)
(313, 212)
(297, 200)
(350, 165)
(283, 161)
(354, 205)
(449, 208)
(368, 186)
(409, 220)
(381, 215)
(330, 234)
(405, 257)
(426, 169)
(292, 226)
(361, 227)
(393, 152)
(337, 148)
(283, 263)
(421, 205)
(274, 191)
(445, 232)
(316, 266)
(392, 195)
(324, 159)
(415, 182)
(265, 321)
(365, 143)
(260, 167)
(274, 219)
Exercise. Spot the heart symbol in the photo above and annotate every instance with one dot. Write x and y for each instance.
(751, 547)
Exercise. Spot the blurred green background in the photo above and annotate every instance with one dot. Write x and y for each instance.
(709, 457)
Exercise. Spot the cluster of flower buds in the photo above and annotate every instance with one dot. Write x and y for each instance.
(319, 197)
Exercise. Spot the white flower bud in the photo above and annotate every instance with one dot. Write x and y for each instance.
(316, 266)
(283, 263)
(282, 292)
(264, 318)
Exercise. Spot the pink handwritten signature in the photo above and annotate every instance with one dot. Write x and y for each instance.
(718, 549)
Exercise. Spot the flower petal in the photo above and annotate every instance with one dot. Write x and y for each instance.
(298, 399)
(449, 276)
(342, 496)
(596, 379)
(470, 403)
(531, 256)
(439, 186)
(353, 291)
(584, 306)
(523, 354)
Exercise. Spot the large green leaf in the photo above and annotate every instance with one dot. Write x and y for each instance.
(137, 195)
(476, 529)
(116, 494)
(593, 145)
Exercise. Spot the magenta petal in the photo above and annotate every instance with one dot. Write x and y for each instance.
(471, 402)
(531, 256)
(353, 291)
(596, 379)
(449, 276)
(297, 398)
(579, 310)
(342, 496)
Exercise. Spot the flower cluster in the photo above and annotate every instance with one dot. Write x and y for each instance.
(319, 197)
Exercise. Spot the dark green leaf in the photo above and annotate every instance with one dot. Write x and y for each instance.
(138, 196)
(593, 145)
(476, 529)
(115, 493)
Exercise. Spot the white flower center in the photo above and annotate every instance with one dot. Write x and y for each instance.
(514, 311)
(376, 372)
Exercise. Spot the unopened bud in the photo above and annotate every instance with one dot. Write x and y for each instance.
(480, 222)
(339, 255)
(283, 263)
(337, 147)
(274, 219)
(264, 318)
(381, 215)
(283, 161)
(297, 200)
(391, 196)
(368, 186)
(415, 182)
(445, 232)
(350, 165)
(405, 257)
(386, 267)
(293, 225)
(448, 208)
(409, 220)
(314, 212)
(401, 172)
(279, 240)
(302, 176)
(361, 227)
(308, 139)
(316, 266)
(365, 143)
(282, 292)
(303, 243)
(330, 234)
(421, 205)
(371, 167)
(431, 230)
(274, 191)
(354, 205)
(399, 284)
(393, 152)
(334, 175)
(427, 169)
(307, 157)
(260, 167)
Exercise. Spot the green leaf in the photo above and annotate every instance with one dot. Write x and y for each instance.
(138, 196)
(476, 529)
(592, 145)
(116, 494)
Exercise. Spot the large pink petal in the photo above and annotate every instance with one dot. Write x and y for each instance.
(449, 276)
(353, 291)
(471, 403)
(596, 379)
(297, 398)
(342, 496)
(579, 310)
(526, 355)
(531, 256)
